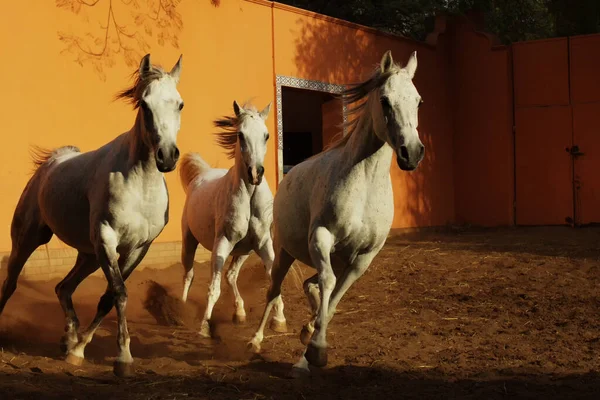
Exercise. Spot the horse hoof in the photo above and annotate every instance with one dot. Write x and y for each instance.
(205, 330)
(305, 335)
(278, 326)
(253, 347)
(74, 360)
(239, 319)
(123, 370)
(298, 373)
(316, 356)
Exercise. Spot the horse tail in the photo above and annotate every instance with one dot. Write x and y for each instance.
(190, 167)
(41, 156)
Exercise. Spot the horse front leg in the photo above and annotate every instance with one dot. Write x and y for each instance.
(108, 258)
(343, 283)
(267, 255)
(221, 251)
(76, 354)
(239, 316)
(320, 244)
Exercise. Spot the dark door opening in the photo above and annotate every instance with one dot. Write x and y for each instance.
(311, 120)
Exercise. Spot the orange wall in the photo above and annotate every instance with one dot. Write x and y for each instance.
(483, 140)
(233, 51)
(50, 100)
(315, 47)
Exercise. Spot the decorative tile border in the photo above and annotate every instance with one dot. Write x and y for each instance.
(298, 83)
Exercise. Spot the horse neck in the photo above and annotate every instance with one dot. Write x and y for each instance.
(141, 155)
(365, 148)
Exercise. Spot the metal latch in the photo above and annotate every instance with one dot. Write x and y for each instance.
(574, 151)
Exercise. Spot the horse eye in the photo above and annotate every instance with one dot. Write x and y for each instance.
(240, 136)
(385, 102)
(420, 102)
(267, 137)
(181, 106)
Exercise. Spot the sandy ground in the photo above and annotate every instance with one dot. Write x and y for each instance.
(456, 314)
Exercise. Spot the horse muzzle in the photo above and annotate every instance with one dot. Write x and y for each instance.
(166, 158)
(255, 174)
(409, 159)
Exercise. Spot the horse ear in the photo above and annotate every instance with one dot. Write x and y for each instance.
(145, 64)
(411, 66)
(265, 113)
(387, 61)
(237, 109)
(176, 71)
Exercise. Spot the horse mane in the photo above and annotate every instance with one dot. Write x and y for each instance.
(227, 137)
(133, 94)
(355, 97)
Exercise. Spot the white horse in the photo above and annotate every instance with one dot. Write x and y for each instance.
(109, 204)
(334, 211)
(229, 212)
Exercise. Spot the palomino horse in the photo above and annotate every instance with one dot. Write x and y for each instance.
(229, 211)
(334, 211)
(109, 204)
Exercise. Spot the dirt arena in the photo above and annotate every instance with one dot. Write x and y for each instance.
(466, 314)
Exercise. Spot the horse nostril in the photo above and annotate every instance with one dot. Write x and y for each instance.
(422, 151)
(404, 152)
(260, 170)
(176, 154)
(160, 156)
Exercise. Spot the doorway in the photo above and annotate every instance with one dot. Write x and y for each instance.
(309, 118)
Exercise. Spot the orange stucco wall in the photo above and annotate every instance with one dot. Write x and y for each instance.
(50, 100)
(234, 50)
(483, 140)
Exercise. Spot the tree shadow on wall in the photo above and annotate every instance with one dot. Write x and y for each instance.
(126, 28)
(332, 52)
(335, 53)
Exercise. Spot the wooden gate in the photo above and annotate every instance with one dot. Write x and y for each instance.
(543, 131)
(585, 101)
(557, 131)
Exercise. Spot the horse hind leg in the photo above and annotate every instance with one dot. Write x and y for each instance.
(311, 289)
(105, 305)
(281, 266)
(188, 252)
(85, 265)
(28, 232)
